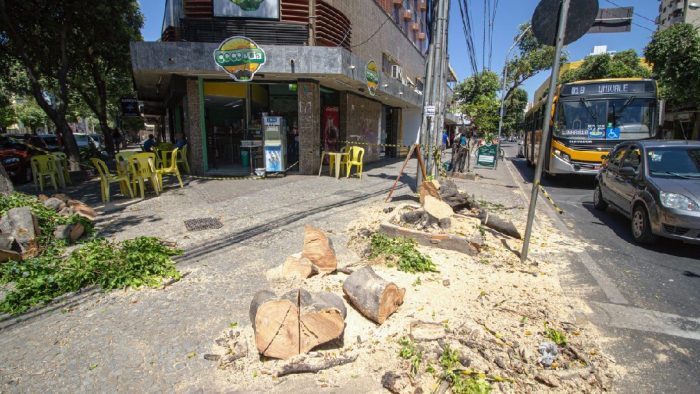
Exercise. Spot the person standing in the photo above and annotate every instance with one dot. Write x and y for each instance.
(117, 140)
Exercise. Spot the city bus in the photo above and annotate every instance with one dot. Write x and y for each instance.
(588, 119)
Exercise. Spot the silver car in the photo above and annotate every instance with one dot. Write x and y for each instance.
(656, 184)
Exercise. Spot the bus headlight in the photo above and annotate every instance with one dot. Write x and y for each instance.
(562, 155)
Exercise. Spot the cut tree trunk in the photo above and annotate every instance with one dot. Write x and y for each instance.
(373, 296)
(499, 224)
(296, 322)
(296, 266)
(319, 250)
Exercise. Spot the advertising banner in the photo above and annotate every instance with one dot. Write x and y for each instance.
(486, 156)
(240, 57)
(263, 9)
(331, 128)
(372, 74)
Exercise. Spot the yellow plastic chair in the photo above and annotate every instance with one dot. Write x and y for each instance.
(355, 157)
(172, 169)
(182, 159)
(43, 167)
(122, 163)
(63, 159)
(142, 168)
(163, 157)
(106, 179)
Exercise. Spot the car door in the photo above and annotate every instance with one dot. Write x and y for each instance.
(611, 176)
(628, 184)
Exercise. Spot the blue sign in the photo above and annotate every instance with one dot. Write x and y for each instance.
(613, 134)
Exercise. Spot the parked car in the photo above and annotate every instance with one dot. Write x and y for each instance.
(85, 141)
(656, 184)
(51, 141)
(15, 157)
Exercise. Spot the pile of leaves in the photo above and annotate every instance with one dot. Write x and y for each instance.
(143, 261)
(403, 251)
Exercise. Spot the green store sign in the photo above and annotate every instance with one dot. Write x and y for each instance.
(240, 57)
(372, 75)
(248, 5)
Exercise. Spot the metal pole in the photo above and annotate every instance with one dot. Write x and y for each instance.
(437, 82)
(505, 76)
(427, 89)
(561, 32)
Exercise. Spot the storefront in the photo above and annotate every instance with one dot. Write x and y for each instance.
(323, 95)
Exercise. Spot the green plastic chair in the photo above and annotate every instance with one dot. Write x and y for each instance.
(106, 179)
(171, 170)
(62, 158)
(43, 167)
(142, 167)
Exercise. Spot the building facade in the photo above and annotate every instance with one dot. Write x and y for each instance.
(678, 11)
(334, 70)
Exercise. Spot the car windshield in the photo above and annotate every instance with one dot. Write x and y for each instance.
(674, 162)
(611, 119)
(81, 139)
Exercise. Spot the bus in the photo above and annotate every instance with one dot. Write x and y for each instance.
(588, 119)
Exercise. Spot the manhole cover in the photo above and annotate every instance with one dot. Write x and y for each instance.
(203, 224)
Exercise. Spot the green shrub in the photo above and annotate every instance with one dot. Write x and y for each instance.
(409, 259)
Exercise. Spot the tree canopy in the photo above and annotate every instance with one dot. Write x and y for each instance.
(477, 98)
(625, 64)
(675, 56)
(532, 58)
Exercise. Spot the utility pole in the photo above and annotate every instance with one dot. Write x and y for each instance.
(433, 90)
(561, 33)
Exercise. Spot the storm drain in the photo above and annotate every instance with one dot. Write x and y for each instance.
(201, 224)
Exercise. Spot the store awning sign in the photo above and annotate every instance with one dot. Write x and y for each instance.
(372, 74)
(130, 107)
(240, 57)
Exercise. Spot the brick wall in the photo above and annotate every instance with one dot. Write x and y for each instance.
(309, 100)
(366, 17)
(193, 130)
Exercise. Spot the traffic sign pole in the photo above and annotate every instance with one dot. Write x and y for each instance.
(561, 34)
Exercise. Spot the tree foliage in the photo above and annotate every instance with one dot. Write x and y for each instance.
(625, 64)
(514, 113)
(31, 115)
(477, 98)
(675, 56)
(532, 58)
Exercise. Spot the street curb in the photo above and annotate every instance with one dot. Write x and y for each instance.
(602, 280)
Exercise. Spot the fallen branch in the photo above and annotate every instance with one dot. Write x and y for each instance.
(345, 270)
(302, 366)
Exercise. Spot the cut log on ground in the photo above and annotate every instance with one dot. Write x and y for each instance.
(319, 250)
(296, 322)
(305, 365)
(438, 211)
(373, 296)
(499, 224)
(296, 266)
(456, 199)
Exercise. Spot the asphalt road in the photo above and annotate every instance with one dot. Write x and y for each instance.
(656, 315)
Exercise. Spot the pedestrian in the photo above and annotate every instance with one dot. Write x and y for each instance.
(180, 140)
(149, 143)
(117, 139)
(445, 140)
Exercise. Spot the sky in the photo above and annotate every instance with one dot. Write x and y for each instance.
(510, 14)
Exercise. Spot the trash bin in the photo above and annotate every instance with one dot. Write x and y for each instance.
(245, 158)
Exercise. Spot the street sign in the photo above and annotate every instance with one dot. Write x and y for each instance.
(580, 18)
(487, 156)
(613, 20)
(429, 110)
(130, 107)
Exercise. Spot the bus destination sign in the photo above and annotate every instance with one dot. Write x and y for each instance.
(605, 88)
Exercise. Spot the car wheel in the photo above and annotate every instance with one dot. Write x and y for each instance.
(641, 227)
(598, 202)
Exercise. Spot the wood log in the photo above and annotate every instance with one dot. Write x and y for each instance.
(296, 322)
(427, 188)
(296, 266)
(373, 296)
(319, 250)
(499, 224)
(276, 325)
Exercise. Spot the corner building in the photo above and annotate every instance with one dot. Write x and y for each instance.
(315, 76)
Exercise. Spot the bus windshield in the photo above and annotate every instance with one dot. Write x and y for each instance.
(628, 118)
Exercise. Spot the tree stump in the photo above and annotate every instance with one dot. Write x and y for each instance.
(296, 322)
(296, 266)
(373, 296)
(319, 250)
